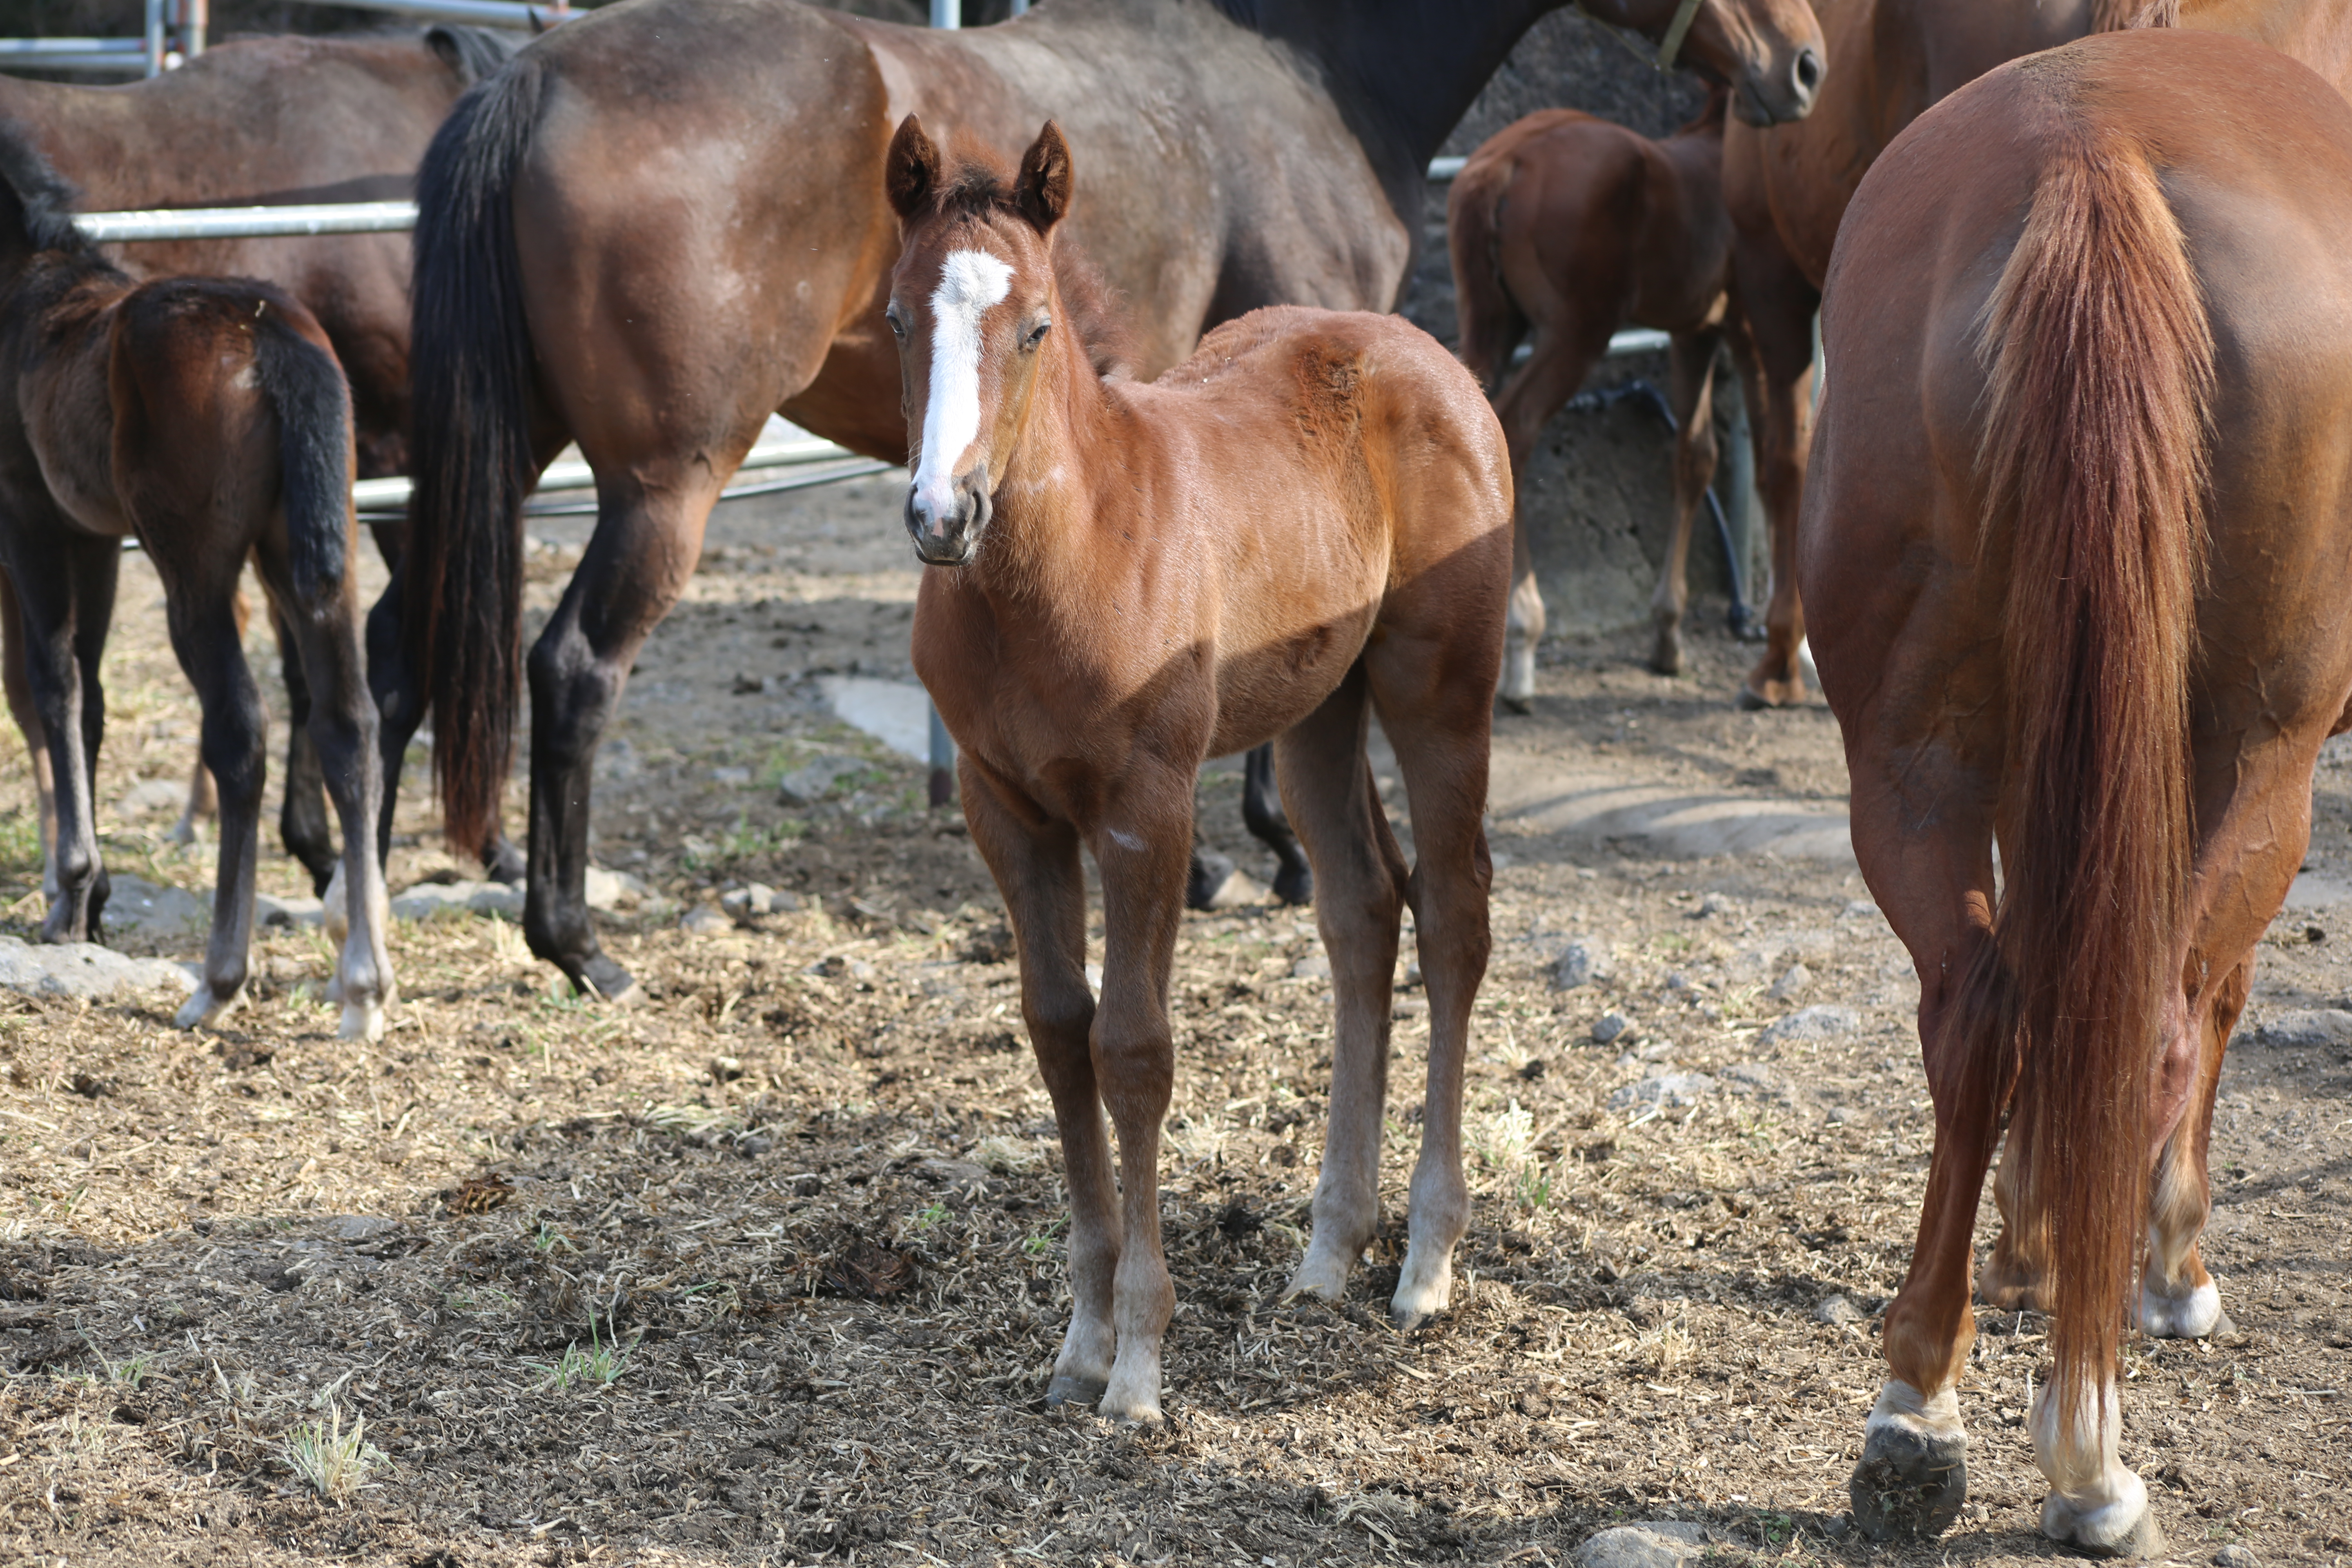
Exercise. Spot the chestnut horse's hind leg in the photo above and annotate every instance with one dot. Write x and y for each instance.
(1564, 352)
(2178, 1298)
(27, 715)
(1779, 305)
(1693, 358)
(1361, 875)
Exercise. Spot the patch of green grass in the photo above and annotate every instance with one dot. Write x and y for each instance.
(599, 1366)
(335, 1463)
(1045, 1240)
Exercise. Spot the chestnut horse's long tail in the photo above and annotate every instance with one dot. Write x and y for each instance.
(461, 603)
(1491, 322)
(2101, 368)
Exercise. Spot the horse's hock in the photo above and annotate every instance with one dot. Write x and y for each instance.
(1599, 483)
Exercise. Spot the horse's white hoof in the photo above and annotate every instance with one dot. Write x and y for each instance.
(1132, 1399)
(1421, 1294)
(2190, 1317)
(1322, 1276)
(2124, 1527)
(362, 1021)
(204, 1008)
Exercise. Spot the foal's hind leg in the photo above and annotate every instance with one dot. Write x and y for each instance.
(1361, 877)
(65, 583)
(1034, 860)
(1693, 356)
(302, 816)
(28, 714)
(204, 633)
(1564, 353)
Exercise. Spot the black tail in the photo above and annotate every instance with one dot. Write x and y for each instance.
(470, 349)
(313, 403)
(474, 53)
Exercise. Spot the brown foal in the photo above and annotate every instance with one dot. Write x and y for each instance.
(1305, 521)
(1569, 227)
(2076, 534)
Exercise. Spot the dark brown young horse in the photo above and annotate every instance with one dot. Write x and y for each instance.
(2076, 533)
(1569, 227)
(208, 419)
(265, 122)
(665, 221)
(1306, 521)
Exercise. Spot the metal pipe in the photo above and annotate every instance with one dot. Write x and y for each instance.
(154, 37)
(249, 223)
(126, 56)
(483, 13)
(196, 20)
(1441, 170)
(947, 13)
(390, 495)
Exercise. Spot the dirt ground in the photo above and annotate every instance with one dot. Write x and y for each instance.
(768, 1269)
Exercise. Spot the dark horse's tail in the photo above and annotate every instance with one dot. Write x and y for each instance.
(2101, 371)
(306, 390)
(461, 601)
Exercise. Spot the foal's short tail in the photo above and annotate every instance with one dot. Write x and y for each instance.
(1491, 322)
(2101, 369)
(307, 391)
(461, 593)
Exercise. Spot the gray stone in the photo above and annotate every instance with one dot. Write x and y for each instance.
(269, 910)
(783, 903)
(1659, 1543)
(611, 890)
(1314, 966)
(1793, 985)
(132, 905)
(811, 784)
(455, 900)
(1817, 1023)
(153, 798)
(357, 1227)
(2310, 1026)
(1582, 962)
(704, 921)
(1838, 1310)
(84, 969)
(1667, 1091)
(1752, 1077)
(749, 900)
(1712, 906)
(1611, 1028)
(2236, 1556)
(733, 778)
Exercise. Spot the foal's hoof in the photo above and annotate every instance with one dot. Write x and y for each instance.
(2124, 1527)
(1666, 652)
(1910, 1484)
(362, 1021)
(1065, 1389)
(2191, 1317)
(606, 981)
(204, 1009)
(1294, 882)
(1321, 1277)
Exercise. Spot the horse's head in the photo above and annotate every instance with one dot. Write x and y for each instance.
(1768, 52)
(972, 302)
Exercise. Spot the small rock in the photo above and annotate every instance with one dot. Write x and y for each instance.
(783, 903)
(733, 778)
(1667, 1091)
(156, 912)
(750, 898)
(86, 969)
(1314, 966)
(1658, 1051)
(611, 890)
(726, 1069)
(1582, 962)
(1677, 981)
(1837, 1116)
(1628, 1060)
(153, 798)
(1611, 1028)
(1662, 1543)
(1792, 985)
(1816, 1023)
(1837, 1309)
(748, 685)
(704, 921)
(2236, 1556)
(452, 900)
(1752, 1077)
(359, 1227)
(2311, 1026)
(269, 910)
(1711, 907)
(809, 784)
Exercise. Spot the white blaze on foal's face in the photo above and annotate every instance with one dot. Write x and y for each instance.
(972, 283)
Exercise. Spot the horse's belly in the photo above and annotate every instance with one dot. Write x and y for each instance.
(1265, 690)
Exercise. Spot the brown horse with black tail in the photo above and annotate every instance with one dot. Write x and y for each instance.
(1564, 228)
(209, 420)
(1305, 521)
(2076, 536)
(254, 122)
(665, 221)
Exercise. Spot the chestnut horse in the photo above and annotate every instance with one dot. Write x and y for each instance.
(267, 122)
(665, 221)
(1569, 227)
(2076, 530)
(1305, 521)
(209, 420)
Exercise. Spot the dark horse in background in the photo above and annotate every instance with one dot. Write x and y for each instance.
(262, 123)
(665, 221)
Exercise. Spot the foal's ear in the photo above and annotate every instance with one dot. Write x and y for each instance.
(1042, 191)
(912, 172)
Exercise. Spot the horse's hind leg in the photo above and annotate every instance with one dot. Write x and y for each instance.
(1360, 880)
(2178, 1298)
(302, 818)
(28, 714)
(1441, 741)
(1262, 813)
(203, 617)
(1034, 860)
(64, 585)
(1692, 357)
(1565, 352)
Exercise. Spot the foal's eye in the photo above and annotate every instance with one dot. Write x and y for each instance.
(890, 314)
(1036, 335)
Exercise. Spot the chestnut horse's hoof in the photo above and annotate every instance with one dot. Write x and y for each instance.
(1066, 1390)
(1910, 1484)
(2194, 1316)
(1757, 694)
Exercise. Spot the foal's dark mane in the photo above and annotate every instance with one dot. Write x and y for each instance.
(44, 199)
(976, 186)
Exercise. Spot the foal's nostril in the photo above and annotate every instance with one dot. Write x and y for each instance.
(1807, 74)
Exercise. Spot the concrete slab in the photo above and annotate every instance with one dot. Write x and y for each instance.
(1678, 823)
(896, 712)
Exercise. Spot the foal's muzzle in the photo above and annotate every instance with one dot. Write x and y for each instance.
(1766, 97)
(946, 529)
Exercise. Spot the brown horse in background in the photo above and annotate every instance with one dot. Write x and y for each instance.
(1567, 228)
(258, 122)
(1303, 523)
(2077, 531)
(209, 420)
(665, 220)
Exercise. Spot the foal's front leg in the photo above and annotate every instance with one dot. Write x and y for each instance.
(1142, 846)
(1034, 860)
